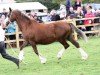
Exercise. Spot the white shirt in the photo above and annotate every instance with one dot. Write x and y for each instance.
(2, 34)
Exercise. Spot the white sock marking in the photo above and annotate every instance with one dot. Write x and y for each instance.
(83, 53)
(21, 55)
(42, 59)
(60, 53)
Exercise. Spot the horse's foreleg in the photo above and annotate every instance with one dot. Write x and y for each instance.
(21, 53)
(42, 59)
(23, 45)
(66, 45)
(76, 44)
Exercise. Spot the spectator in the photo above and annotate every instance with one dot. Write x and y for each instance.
(46, 18)
(3, 51)
(37, 18)
(71, 10)
(4, 12)
(84, 10)
(63, 15)
(89, 14)
(77, 4)
(97, 14)
(54, 16)
(62, 12)
(79, 14)
(34, 15)
(97, 20)
(2, 21)
(71, 13)
(11, 29)
(91, 9)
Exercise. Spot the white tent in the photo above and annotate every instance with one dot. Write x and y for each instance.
(35, 6)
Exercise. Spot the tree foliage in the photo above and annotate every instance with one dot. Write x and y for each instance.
(59, 1)
(54, 4)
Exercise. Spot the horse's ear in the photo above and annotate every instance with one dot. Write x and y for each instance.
(10, 10)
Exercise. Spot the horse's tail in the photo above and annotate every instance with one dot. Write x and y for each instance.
(80, 32)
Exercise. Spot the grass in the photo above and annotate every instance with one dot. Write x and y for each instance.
(70, 64)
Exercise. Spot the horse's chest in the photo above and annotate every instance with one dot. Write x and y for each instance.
(28, 35)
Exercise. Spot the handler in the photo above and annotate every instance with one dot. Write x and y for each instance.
(3, 50)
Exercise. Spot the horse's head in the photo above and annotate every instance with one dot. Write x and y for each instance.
(10, 18)
(11, 15)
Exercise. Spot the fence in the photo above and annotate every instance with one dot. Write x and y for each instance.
(17, 33)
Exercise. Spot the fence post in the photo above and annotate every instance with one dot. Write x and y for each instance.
(75, 34)
(17, 37)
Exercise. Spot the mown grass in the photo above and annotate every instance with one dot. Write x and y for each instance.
(70, 64)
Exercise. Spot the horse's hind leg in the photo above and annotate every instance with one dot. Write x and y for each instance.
(65, 44)
(42, 59)
(76, 44)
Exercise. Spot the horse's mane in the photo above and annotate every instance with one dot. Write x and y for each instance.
(25, 16)
(22, 14)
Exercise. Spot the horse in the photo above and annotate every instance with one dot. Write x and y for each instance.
(35, 33)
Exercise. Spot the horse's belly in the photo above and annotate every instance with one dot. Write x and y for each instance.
(47, 41)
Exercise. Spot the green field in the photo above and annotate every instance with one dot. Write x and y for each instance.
(70, 64)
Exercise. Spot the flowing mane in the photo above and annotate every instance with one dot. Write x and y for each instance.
(23, 16)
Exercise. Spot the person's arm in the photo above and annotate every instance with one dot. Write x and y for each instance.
(2, 34)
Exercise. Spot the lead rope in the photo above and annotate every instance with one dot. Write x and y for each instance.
(13, 49)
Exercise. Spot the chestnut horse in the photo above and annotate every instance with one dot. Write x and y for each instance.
(41, 33)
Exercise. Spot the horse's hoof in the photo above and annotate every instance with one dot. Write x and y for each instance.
(43, 61)
(85, 57)
(59, 58)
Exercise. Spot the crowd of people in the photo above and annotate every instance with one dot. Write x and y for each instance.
(77, 11)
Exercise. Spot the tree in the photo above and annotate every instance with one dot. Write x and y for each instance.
(54, 4)
(34, 0)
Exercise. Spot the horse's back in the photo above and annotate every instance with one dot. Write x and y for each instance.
(60, 27)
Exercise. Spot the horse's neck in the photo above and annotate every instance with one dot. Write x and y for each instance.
(25, 23)
(22, 23)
